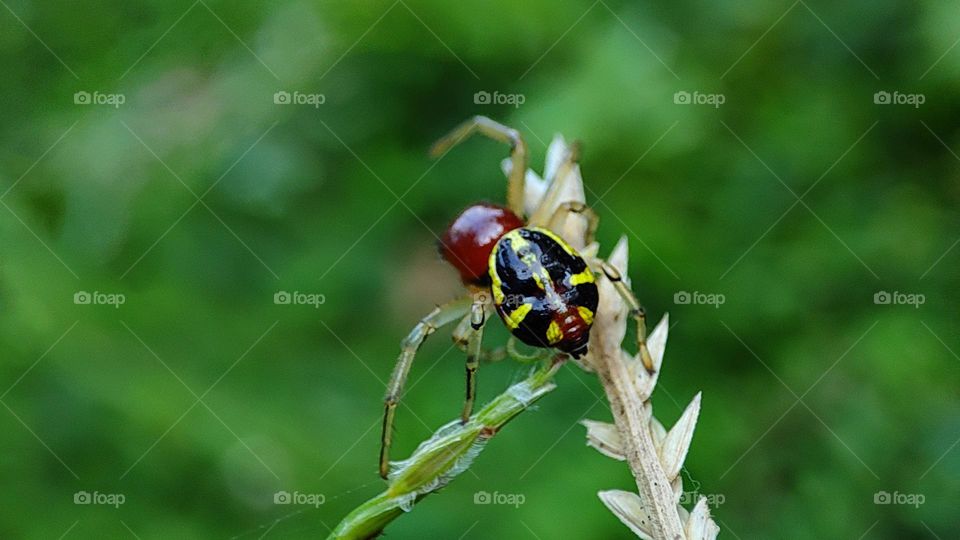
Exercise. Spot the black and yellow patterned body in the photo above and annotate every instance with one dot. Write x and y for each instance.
(543, 290)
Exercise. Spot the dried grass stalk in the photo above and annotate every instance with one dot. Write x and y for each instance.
(655, 456)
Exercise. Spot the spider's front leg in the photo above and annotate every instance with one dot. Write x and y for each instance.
(497, 132)
(636, 311)
(440, 316)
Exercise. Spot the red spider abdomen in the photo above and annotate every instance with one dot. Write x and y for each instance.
(468, 241)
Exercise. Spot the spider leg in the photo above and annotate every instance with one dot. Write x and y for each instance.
(461, 338)
(440, 316)
(497, 132)
(636, 311)
(461, 333)
(477, 320)
(515, 353)
(559, 217)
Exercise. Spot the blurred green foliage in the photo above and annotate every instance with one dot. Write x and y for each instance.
(199, 397)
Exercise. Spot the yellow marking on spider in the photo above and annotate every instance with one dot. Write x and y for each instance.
(497, 288)
(515, 317)
(553, 236)
(583, 277)
(585, 314)
(553, 333)
(537, 272)
(496, 284)
(517, 242)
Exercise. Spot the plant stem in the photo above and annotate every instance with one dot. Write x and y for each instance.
(446, 454)
(632, 418)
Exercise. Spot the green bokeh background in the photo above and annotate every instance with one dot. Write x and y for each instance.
(104, 399)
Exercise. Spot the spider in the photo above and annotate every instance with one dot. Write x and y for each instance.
(543, 290)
